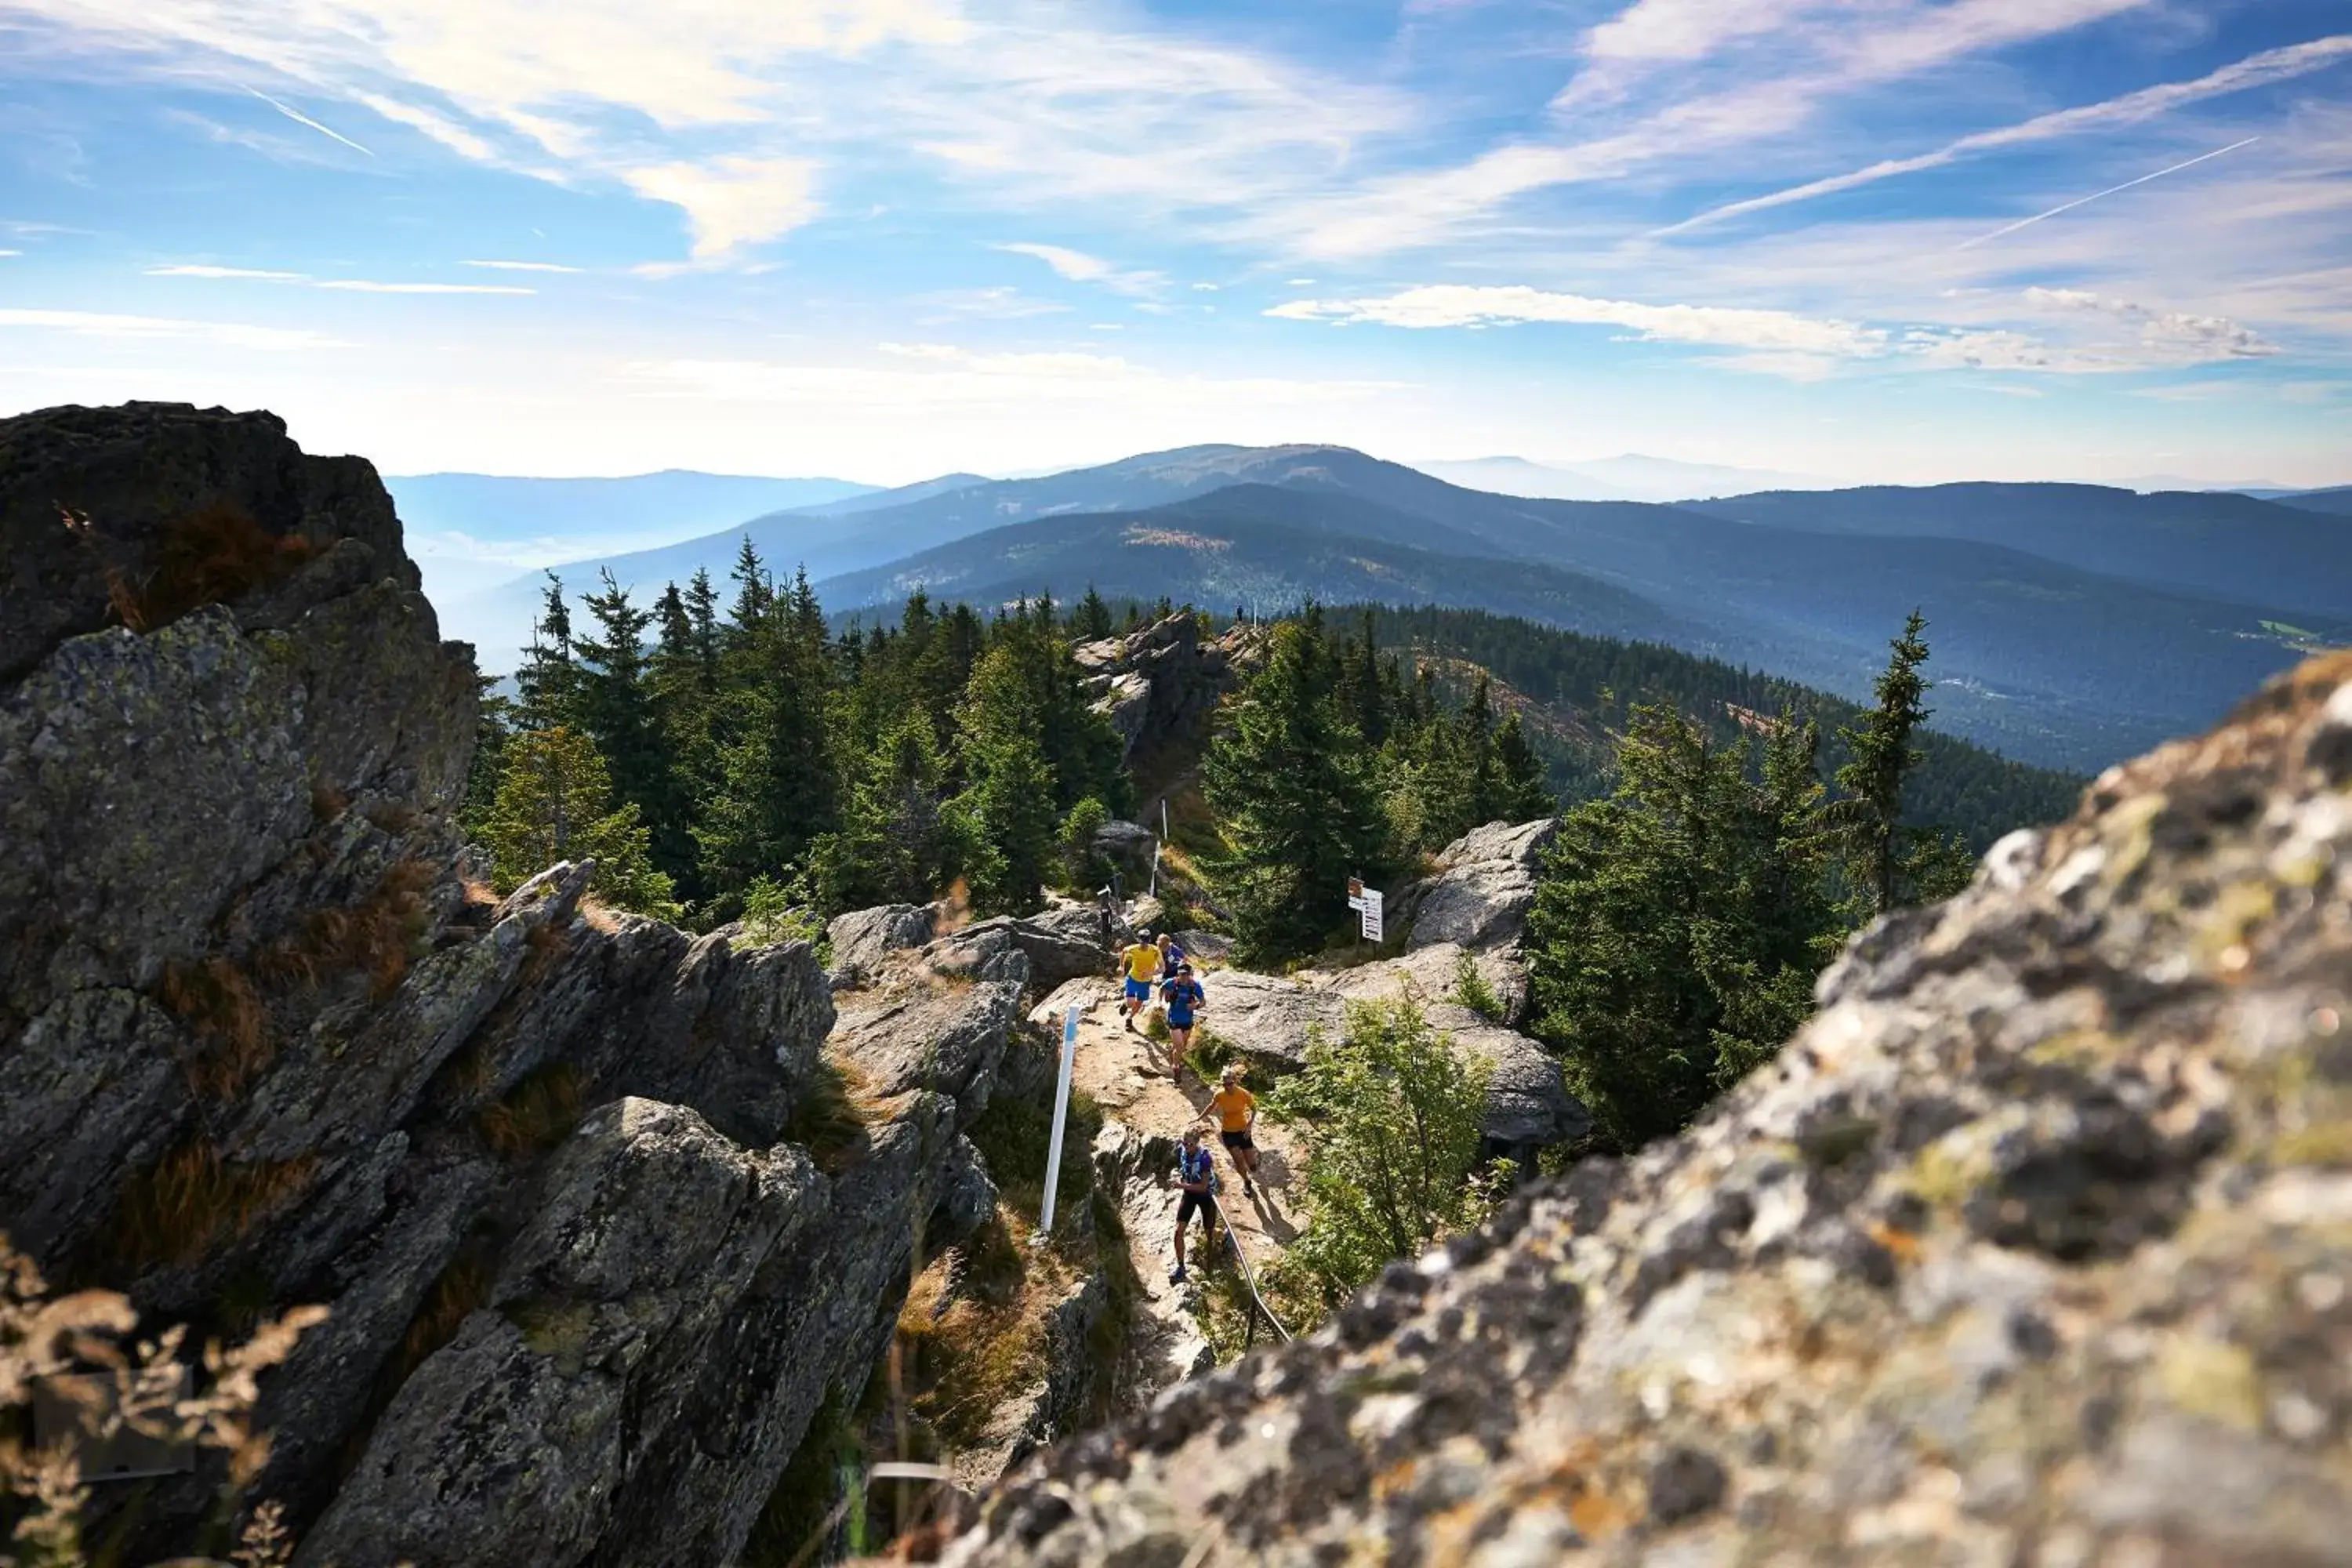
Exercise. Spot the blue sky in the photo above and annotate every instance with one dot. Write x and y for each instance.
(1873, 239)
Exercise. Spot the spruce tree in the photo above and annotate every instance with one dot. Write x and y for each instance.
(1522, 790)
(702, 618)
(778, 786)
(1091, 620)
(616, 708)
(897, 842)
(555, 803)
(1679, 923)
(548, 683)
(1889, 863)
(1286, 779)
(1007, 804)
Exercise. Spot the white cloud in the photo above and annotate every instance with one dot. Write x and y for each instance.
(732, 201)
(1471, 305)
(1799, 347)
(728, 109)
(4, 253)
(523, 266)
(226, 335)
(1747, 82)
(439, 127)
(2129, 109)
(2197, 338)
(299, 118)
(198, 269)
(948, 375)
(1000, 303)
(372, 286)
(1080, 267)
(343, 285)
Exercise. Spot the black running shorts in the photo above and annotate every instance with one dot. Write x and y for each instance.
(1240, 1140)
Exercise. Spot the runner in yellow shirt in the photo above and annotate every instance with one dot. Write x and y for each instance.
(1141, 964)
(1236, 1110)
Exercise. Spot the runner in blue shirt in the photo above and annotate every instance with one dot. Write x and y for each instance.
(1185, 1001)
(1196, 1177)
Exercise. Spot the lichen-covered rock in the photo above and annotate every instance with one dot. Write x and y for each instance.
(863, 940)
(263, 1041)
(1160, 685)
(133, 473)
(2034, 1247)
(1484, 886)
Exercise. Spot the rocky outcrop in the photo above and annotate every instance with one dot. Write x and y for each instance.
(1275, 1020)
(2031, 1247)
(1158, 686)
(1475, 905)
(863, 940)
(601, 1218)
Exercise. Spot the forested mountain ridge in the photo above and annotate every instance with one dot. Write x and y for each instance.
(1576, 690)
(2278, 554)
(2050, 662)
(2043, 652)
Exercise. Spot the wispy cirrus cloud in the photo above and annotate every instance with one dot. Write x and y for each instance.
(932, 373)
(737, 114)
(2120, 336)
(1078, 267)
(343, 285)
(521, 266)
(2255, 70)
(225, 334)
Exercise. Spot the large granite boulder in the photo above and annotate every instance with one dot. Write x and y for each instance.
(1160, 685)
(1483, 888)
(2031, 1247)
(602, 1221)
(1275, 1021)
(863, 940)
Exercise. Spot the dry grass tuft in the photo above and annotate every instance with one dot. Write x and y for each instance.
(830, 1119)
(374, 938)
(79, 1348)
(191, 1201)
(535, 1115)
(599, 915)
(463, 1288)
(210, 556)
(219, 1003)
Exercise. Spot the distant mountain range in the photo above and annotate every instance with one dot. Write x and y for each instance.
(469, 532)
(2071, 624)
(1628, 477)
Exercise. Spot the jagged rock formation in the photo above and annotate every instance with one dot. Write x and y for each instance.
(1160, 685)
(2030, 1249)
(601, 1216)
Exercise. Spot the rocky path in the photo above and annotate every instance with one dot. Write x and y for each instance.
(1145, 1111)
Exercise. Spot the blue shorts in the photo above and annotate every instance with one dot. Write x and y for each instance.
(1138, 990)
(1179, 1020)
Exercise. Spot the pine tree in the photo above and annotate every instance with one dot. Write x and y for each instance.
(1523, 793)
(493, 725)
(897, 842)
(1287, 781)
(778, 786)
(1888, 863)
(555, 803)
(1679, 923)
(702, 618)
(755, 594)
(1091, 620)
(1007, 804)
(548, 683)
(616, 709)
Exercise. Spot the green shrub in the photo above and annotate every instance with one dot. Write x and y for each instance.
(1470, 989)
(1391, 1122)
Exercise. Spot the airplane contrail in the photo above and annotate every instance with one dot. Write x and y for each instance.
(299, 118)
(2094, 195)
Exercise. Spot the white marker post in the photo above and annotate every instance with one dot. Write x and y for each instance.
(1061, 1115)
